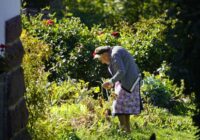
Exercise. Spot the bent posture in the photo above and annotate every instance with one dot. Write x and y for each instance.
(126, 81)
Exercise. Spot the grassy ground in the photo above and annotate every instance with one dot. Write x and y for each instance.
(76, 122)
(139, 133)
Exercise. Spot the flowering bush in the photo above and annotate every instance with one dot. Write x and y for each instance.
(73, 43)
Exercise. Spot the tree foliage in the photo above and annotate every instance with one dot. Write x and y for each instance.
(185, 38)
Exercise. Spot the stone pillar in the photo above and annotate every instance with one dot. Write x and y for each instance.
(12, 86)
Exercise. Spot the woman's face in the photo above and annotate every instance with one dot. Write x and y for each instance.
(105, 58)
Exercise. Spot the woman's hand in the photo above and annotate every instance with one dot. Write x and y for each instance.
(107, 85)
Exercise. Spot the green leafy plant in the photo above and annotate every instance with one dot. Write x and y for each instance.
(111, 12)
(160, 90)
(72, 45)
(36, 78)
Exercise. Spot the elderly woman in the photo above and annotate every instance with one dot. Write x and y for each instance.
(125, 79)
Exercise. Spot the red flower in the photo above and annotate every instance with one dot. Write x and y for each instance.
(115, 34)
(50, 22)
(2, 46)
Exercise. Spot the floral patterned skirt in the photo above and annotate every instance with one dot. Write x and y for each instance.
(126, 103)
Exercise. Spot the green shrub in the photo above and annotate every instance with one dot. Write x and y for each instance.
(111, 12)
(107, 12)
(69, 91)
(67, 110)
(146, 41)
(159, 117)
(36, 53)
(86, 120)
(73, 43)
(161, 91)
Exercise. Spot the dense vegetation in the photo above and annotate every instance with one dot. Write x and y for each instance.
(63, 93)
(68, 110)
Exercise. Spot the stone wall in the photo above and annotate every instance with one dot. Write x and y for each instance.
(3, 107)
(13, 109)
